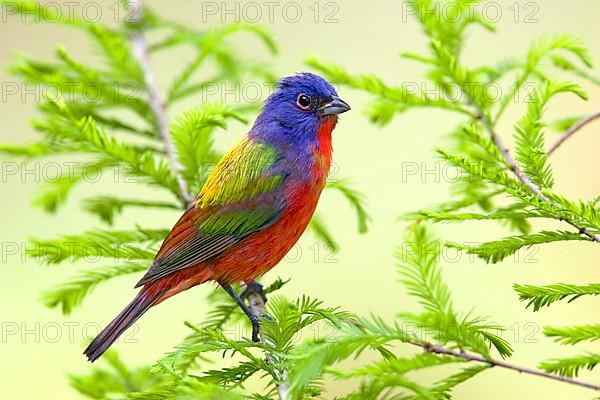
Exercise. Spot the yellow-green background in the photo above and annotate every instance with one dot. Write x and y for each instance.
(368, 38)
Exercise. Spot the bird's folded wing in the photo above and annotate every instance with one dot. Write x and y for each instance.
(242, 196)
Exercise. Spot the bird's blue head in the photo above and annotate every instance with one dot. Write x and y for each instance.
(294, 113)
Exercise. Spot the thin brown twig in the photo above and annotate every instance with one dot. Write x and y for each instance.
(140, 51)
(523, 178)
(572, 130)
(437, 349)
(432, 348)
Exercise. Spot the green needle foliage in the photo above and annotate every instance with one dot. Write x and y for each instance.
(573, 334)
(104, 383)
(305, 343)
(70, 294)
(437, 321)
(543, 296)
(571, 366)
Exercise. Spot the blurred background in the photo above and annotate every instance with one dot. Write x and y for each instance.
(393, 166)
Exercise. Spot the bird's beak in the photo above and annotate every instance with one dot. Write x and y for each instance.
(334, 107)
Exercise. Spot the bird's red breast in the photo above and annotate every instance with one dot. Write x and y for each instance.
(324, 148)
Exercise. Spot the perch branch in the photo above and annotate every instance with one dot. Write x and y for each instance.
(431, 348)
(571, 131)
(140, 51)
(524, 179)
(256, 300)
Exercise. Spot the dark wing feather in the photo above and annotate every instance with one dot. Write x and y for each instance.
(186, 247)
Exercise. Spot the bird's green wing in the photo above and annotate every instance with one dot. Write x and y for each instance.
(243, 195)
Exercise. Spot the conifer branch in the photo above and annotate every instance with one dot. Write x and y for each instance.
(512, 163)
(432, 348)
(523, 178)
(544, 296)
(256, 299)
(572, 130)
(140, 52)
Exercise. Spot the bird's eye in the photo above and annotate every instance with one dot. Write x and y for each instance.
(303, 101)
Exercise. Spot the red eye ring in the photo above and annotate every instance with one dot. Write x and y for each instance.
(303, 101)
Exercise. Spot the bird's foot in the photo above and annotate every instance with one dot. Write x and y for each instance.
(253, 288)
(254, 294)
(255, 321)
(267, 317)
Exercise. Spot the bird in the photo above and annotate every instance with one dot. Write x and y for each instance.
(252, 208)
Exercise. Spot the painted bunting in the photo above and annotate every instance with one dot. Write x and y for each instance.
(252, 208)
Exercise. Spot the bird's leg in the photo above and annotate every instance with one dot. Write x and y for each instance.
(240, 302)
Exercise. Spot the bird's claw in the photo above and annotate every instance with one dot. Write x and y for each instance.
(255, 328)
(268, 317)
(251, 288)
(255, 332)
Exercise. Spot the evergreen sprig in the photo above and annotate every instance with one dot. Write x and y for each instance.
(68, 295)
(571, 366)
(573, 334)
(544, 296)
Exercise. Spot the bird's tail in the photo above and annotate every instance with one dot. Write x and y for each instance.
(134, 310)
